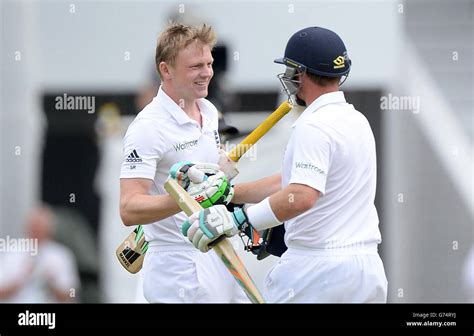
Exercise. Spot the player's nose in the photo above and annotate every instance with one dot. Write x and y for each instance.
(207, 72)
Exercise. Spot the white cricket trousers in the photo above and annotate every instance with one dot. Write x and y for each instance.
(327, 276)
(183, 274)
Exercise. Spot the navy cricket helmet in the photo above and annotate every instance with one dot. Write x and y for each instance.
(318, 51)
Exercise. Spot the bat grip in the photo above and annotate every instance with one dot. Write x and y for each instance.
(217, 241)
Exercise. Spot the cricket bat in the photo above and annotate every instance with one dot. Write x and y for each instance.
(131, 251)
(221, 246)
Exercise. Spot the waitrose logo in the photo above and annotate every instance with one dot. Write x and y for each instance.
(185, 145)
(310, 166)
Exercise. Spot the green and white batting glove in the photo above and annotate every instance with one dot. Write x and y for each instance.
(215, 189)
(204, 182)
(205, 226)
(183, 175)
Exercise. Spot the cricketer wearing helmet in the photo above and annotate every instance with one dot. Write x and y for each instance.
(325, 193)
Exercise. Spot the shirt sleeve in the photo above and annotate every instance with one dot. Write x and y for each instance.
(142, 150)
(311, 156)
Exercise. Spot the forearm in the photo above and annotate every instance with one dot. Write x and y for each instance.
(285, 204)
(145, 209)
(289, 203)
(256, 191)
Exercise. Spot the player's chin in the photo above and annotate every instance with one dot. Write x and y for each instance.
(201, 92)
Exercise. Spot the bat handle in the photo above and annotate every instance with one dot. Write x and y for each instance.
(217, 241)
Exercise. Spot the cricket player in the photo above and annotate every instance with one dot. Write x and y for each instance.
(325, 194)
(177, 126)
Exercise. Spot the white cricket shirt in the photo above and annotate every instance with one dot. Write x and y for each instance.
(161, 135)
(55, 264)
(332, 149)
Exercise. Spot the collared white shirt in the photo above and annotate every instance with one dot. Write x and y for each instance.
(332, 149)
(161, 135)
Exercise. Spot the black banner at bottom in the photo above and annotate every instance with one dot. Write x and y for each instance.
(58, 319)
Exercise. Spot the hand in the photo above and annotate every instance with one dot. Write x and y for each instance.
(215, 190)
(228, 166)
(204, 182)
(205, 226)
(184, 175)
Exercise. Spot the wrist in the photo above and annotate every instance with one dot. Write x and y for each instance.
(240, 218)
(261, 215)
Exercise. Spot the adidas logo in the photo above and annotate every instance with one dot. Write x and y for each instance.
(133, 157)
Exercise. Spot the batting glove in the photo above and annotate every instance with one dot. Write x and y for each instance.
(204, 182)
(205, 226)
(182, 173)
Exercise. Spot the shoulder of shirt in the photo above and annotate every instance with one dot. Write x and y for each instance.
(154, 112)
(329, 118)
(150, 118)
(332, 113)
(324, 119)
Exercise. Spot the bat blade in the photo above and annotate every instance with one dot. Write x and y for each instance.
(132, 250)
(222, 247)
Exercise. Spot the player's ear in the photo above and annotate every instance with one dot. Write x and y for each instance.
(303, 77)
(165, 70)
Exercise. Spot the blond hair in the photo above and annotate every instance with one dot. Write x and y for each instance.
(178, 36)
